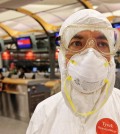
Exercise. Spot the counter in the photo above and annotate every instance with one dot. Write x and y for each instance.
(20, 97)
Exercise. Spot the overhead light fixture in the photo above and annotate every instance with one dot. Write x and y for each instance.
(95, 7)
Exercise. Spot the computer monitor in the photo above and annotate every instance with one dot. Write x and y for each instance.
(34, 69)
(4, 69)
(57, 41)
(49, 70)
(24, 42)
(116, 25)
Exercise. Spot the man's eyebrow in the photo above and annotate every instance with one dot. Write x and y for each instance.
(102, 37)
(77, 37)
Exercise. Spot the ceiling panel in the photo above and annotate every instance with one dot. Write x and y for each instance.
(39, 8)
(110, 6)
(23, 24)
(110, 1)
(57, 17)
(16, 26)
(53, 16)
(16, 3)
(7, 15)
(54, 2)
(44, 5)
(4, 1)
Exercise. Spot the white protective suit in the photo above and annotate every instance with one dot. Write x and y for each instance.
(55, 116)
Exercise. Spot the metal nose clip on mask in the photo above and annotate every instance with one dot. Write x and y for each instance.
(91, 42)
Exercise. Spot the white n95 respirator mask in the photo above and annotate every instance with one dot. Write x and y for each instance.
(88, 70)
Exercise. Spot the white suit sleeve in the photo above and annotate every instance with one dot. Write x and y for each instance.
(37, 120)
(41, 114)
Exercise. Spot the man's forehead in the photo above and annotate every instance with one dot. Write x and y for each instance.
(88, 33)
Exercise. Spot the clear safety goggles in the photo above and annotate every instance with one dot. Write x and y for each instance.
(76, 38)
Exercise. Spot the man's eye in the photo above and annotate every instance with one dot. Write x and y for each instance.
(102, 44)
(76, 44)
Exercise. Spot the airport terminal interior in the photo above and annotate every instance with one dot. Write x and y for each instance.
(29, 47)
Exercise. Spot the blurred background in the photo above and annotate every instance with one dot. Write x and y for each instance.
(29, 47)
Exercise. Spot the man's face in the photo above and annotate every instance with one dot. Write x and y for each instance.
(88, 39)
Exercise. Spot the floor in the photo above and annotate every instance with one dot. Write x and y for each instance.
(12, 126)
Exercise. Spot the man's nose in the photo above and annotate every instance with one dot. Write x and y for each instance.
(91, 43)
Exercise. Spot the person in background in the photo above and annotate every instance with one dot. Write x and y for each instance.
(21, 73)
(13, 68)
(88, 102)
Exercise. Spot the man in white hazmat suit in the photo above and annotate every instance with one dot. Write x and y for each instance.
(88, 102)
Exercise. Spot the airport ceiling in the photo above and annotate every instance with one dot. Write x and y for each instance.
(18, 16)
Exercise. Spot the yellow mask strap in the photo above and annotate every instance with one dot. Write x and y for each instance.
(69, 78)
(106, 64)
